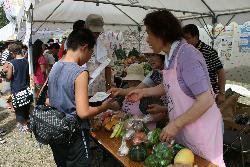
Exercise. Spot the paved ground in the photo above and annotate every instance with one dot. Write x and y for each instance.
(20, 150)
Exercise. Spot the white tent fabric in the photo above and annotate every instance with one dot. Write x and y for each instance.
(70, 11)
(54, 14)
(7, 32)
(239, 18)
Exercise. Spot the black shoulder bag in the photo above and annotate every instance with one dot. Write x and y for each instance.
(49, 125)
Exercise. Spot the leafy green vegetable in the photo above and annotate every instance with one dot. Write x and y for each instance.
(160, 157)
(145, 129)
(134, 52)
(154, 137)
(152, 161)
(162, 152)
(120, 54)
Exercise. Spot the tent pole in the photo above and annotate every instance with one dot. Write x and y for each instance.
(139, 40)
(218, 15)
(247, 10)
(213, 34)
(124, 13)
(225, 25)
(206, 27)
(209, 8)
(30, 55)
(207, 31)
(50, 15)
(193, 17)
(214, 21)
(68, 22)
(140, 6)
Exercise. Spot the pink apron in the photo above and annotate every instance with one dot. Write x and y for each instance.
(133, 108)
(204, 136)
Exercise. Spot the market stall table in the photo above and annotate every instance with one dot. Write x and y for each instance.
(112, 146)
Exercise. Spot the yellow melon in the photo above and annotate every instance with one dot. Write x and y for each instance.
(184, 156)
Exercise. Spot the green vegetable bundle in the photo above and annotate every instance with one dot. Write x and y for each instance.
(154, 137)
(161, 157)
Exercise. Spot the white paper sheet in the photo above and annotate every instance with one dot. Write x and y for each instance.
(99, 96)
(98, 70)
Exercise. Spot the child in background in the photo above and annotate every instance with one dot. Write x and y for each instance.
(153, 79)
(135, 75)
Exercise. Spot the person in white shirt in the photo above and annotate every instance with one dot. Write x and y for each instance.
(103, 82)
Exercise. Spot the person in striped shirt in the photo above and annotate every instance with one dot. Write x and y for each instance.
(6, 57)
(214, 65)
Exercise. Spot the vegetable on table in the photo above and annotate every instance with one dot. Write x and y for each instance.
(161, 157)
(152, 161)
(139, 137)
(154, 137)
(138, 153)
(184, 156)
(117, 129)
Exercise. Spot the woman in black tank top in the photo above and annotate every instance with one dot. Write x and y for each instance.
(18, 74)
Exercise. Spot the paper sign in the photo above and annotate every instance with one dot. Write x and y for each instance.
(98, 70)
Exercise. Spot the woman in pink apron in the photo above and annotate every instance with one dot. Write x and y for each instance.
(195, 120)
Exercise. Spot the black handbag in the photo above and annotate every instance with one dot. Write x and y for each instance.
(49, 125)
(22, 98)
(2, 74)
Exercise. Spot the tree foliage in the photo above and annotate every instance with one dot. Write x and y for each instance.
(3, 20)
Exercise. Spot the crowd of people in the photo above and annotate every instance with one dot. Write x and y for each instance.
(187, 77)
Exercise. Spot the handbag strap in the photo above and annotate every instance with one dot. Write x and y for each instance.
(42, 94)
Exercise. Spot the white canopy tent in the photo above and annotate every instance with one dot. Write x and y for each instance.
(132, 12)
(119, 14)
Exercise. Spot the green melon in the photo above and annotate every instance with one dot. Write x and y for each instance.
(138, 153)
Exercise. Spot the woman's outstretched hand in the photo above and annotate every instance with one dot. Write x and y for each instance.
(135, 95)
(169, 132)
(115, 92)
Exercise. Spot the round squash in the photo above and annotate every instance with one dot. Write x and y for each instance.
(138, 153)
(184, 156)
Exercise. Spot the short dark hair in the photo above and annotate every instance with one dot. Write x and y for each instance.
(80, 37)
(37, 51)
(164, 25)
(192, 29)
(54, 46)
(16, 48)
(79, 24)
(6, 44)
(24, 47)
(50, 40)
